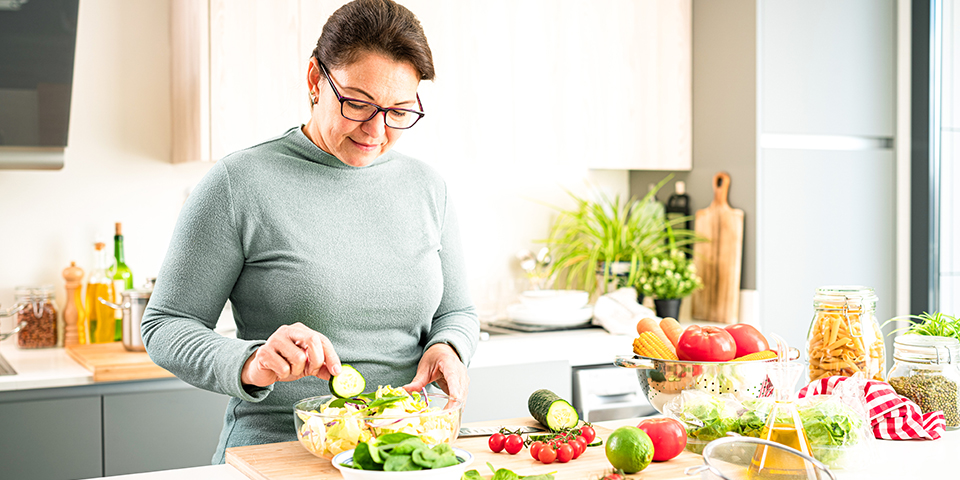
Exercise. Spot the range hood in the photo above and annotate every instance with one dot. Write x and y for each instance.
(37, 45)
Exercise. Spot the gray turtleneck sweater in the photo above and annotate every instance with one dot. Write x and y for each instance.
(368, 256)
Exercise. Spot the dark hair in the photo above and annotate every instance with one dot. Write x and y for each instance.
(377, 26)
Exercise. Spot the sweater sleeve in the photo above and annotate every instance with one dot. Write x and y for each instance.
(202, 264)
(455, 321)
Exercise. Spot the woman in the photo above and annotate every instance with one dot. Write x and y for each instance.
(330, 246)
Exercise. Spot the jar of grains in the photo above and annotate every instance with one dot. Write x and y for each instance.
(844, 336)
(38, 314)
(926, 370)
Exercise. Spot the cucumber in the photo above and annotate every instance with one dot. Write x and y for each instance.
(552, 411)
(348, 384)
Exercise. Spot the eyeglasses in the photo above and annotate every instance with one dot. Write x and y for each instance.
(362, 111)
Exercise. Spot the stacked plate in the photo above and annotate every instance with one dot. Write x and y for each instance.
(561, 308)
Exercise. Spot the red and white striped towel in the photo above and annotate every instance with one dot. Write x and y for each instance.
(892, 416)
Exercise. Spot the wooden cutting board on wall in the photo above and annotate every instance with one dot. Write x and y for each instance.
(718, 260)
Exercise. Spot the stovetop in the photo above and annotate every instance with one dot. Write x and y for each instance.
(505, 326)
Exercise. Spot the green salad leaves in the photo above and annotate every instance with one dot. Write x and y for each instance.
(503, 474)
(401, 452)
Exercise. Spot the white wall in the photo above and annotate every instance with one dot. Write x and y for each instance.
(117, 167)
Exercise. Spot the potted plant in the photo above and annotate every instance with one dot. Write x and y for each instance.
(668, 277)
(605, 242)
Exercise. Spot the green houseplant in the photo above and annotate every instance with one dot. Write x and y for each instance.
(668, 277)
(605, 239)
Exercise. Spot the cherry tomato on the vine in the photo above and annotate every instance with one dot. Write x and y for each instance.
(583, 440)
(588, 433)
(564, 453)
(513, 444)
(535, 449)
(578, 447)
(547, 454)
(496, 442)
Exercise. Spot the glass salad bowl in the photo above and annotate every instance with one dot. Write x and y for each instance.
(327, 426)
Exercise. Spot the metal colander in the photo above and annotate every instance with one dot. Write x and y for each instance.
(663, 380)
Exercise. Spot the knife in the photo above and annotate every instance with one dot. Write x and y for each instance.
(484, 431)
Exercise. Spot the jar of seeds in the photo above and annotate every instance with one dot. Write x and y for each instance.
(38, 314)
(926, 370)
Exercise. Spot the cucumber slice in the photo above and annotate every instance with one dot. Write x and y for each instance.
(348, 384)
(552, 411)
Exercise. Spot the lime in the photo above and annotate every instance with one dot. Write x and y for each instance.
(629, 449)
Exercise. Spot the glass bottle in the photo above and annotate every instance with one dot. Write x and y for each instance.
(122, 278)
(926, 369)
(783, 426)
(38, 313)
(100, 321)
(844, 336)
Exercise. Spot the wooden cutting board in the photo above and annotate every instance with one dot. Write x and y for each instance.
(718, 260)
(110, 362)
(290, 461)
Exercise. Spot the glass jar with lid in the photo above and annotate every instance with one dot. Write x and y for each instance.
(37, 312)
(844, 337)
(926, 369)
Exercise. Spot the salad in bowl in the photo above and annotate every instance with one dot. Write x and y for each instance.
(328, 425)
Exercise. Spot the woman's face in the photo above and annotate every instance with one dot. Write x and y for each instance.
(373, 78)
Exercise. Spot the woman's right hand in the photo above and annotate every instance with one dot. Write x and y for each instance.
(291, 353)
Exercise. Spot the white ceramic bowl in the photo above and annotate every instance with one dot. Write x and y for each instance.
(554, 300)
(453, 472)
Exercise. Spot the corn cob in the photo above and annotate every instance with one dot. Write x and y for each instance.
(764, 355)
(649, 345)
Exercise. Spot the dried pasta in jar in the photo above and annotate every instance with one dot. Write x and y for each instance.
(844, 337)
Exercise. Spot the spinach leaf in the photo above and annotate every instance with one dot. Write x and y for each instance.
(504, 474)
(400, 463)
(471, 475)
(363, 459)
(407, 446)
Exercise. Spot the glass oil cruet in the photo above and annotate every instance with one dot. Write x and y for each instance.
(783, 426)
(99, 318)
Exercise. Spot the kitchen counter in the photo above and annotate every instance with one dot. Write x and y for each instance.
(893, 460)
(52, 367)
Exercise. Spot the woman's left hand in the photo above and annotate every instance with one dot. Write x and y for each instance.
(441, 364)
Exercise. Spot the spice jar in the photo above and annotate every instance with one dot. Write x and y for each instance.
(844, 336)
(926, 369)
(38, 313)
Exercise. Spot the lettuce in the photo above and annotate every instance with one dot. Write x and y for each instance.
(707, 417)
(831, 423)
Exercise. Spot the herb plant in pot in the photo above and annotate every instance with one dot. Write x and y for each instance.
(668, 277)
(602, 244)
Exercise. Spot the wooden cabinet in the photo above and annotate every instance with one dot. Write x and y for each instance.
(234, 74)
(602, 85)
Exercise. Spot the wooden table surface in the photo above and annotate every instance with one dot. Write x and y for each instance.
(290, 461)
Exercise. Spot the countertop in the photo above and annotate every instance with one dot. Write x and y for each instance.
(52, 367)
(893, 460)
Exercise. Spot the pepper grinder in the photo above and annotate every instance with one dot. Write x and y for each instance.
(73, 307)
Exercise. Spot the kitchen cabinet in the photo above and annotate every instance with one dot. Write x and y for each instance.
(234, 74)
(143, 432)
(503, 391)
(107, 429)
(53, 439)
(602, 86)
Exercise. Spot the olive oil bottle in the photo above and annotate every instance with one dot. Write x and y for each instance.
(100, 321)
(122, 279)
(783, 426)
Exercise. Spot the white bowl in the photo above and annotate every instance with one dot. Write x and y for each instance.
(525, 315)
(554, 300)
(453, 472)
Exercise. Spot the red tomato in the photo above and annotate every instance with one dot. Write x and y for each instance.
(564, 453)
(668, 436)
(535, 450)
(513, 444)
(748, 339)
(706, 344)
(547, 454)
(496, 442)
(583, 440)
(578, 447)
(588, 433)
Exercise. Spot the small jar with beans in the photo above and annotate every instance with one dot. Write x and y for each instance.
(37, 312)
(926, 370)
